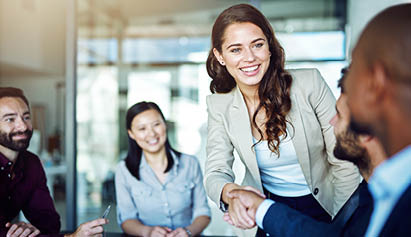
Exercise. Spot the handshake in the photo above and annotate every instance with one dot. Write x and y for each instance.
(243, 203)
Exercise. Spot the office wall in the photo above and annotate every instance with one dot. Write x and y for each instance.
(32, 35)
(360, 12)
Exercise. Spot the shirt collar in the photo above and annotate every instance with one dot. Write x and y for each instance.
(391, 176)
(5, 162)
(173, 170)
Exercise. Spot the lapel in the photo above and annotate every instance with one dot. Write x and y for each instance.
(297, 133)
(242, 132)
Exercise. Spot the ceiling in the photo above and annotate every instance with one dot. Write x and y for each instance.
(32, 33)
(165, 18)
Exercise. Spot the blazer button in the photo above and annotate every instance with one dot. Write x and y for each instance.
(316, 191)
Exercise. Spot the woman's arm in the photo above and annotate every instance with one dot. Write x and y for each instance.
(127, 212)
(198, 225)
(218, 167)
(219, 176)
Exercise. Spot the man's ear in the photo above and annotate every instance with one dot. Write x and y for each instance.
(379, 82)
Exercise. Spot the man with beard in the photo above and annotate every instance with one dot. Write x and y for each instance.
(278, 219)
(379, 97)
(23, 181)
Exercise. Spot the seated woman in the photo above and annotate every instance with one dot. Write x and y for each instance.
(159, 190)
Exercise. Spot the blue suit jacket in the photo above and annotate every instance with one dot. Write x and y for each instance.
(399, 221)
(281, 220)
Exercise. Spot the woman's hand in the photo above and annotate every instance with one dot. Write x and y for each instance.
(90, 228)
(237, 211)
(157, 231)
(179, 232)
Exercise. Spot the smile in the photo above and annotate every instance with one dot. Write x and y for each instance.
(250, 69)
(152, 141)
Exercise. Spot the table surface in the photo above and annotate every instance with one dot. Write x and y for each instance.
(113, 234)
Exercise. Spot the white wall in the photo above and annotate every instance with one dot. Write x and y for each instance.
(360, 12)
(32, 34)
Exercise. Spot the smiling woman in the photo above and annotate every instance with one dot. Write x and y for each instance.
(159, 190)
(276, 120)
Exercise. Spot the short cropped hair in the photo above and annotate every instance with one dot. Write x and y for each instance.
(340, 82)
(13, 92)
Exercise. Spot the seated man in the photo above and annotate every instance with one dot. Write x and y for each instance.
(278, 219)
(23, 181)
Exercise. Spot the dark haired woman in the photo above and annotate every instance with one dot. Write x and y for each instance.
(276, 120)
(159, 190)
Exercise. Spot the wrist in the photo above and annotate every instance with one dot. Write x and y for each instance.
(147, 230)
(189, 233)
(226, 189)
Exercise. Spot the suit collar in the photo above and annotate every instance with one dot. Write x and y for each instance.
(242, 132)
(297, 133)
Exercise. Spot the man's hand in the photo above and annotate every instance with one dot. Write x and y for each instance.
(91, 228)
(158, 231)
(237, 211)
(179, 232)
(249, 199)
(21, 229)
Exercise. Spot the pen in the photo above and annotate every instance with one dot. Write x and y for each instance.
(105, 214)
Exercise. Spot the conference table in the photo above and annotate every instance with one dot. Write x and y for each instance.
(114, 234)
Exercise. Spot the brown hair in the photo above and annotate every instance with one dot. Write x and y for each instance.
(13, 92)
(274, 88)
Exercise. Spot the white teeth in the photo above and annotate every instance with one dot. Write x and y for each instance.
(154, 141)
(249, 69)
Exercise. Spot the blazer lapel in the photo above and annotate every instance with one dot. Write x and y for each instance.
(297, 133)
(242, 132)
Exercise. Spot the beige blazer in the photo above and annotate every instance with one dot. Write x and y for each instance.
(330, 180)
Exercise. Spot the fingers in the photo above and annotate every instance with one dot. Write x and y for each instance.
(179, 232)
(238, 214)
(35, 233)
(91, 228)
(160, 231)
(244, 220)
(96, 222)
(250, 188)
(226, 218)
(22, 229)
(15, 230)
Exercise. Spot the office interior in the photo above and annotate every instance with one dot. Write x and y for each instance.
(82, 63)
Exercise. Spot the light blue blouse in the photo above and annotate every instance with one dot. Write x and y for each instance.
(388, 182)
(176, 203)
(281, 175)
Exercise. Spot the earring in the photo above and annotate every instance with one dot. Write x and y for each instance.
(222, 63)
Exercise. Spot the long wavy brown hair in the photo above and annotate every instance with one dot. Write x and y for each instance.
(274, 88)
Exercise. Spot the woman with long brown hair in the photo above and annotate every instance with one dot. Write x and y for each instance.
(276, 120)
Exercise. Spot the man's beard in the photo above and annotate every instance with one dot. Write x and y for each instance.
(348, 149)
(359, 128)
(6, 140)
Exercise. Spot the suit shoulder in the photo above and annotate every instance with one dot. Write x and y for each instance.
(220, 101)
(305, 79)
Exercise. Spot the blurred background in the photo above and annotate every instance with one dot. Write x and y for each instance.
(82, 63)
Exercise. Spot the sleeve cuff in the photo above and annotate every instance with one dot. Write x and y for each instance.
(261, 211)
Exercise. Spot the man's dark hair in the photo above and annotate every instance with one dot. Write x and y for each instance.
(340, 84)
(13, 92)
